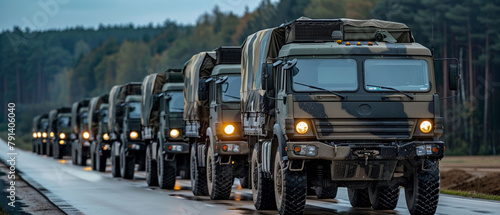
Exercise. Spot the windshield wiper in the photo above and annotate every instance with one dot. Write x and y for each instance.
(393, 89)
(182, 109)
(234, 97)
(323, 89)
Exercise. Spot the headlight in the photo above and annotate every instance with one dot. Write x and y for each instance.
(174, 133)
(34, 135)
(86, 135)
(302, 127)
(51, 134)
(134, 134)
(44, 135)
(105, 136)
(229, 129)
(39, 134)
(62, 135)
(426, 126)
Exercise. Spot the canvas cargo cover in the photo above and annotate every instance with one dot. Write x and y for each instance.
(257, 48)
(365, 29)
(117, 96)
(94, 107)
(75, 110)
(36, 121)
(200, 65)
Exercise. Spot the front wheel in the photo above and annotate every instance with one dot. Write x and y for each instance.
(219, 177)
(127, 165)
(422, 190)
(93, 161)
(198, 175)
(262, 187)
(100, 158)
(115, 162)
(290, 188)
(359, 197)
(166, 172)
(151, 171)
(383, 198)
(326, 192)
(81, 158)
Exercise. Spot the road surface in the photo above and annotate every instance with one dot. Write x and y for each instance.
(77, 190)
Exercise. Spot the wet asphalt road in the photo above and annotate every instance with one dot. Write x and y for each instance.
(77, 189)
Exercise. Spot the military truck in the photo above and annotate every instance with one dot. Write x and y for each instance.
(213, 123)
(162, 105)
(97, 118)
(342, 103)
(79, 138)
(124, 128)
(59, 127)
(40, 125)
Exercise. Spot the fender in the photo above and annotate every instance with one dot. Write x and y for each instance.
(278, 132)
(211, 140)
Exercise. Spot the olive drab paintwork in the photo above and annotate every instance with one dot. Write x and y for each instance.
(346, 137)
(117, 96)
(94, 106)
(153, 85)
(75, 110)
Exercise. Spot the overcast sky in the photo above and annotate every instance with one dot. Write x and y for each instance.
(50, 14)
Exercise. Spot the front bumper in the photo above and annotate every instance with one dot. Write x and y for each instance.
(401, 151)
(176, 148)
(232, 147)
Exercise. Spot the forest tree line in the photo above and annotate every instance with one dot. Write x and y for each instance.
(40, 70)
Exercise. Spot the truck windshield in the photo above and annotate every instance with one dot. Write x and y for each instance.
(328, 74)
(176, 103)
(135, 110)
(85, 118)
(63, 121)
(104, 115)
(231, 89)
(401, 74)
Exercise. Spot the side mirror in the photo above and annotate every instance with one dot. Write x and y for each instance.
(267, 77)
(202, 89)
(453, 77)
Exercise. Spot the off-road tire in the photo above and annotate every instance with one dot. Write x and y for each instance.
(383, 198)
(166, 172)
(50, 149)
(73, 153)
(101, 160)
(198, 174)
(115, 165)
(262, 187)
(58, 153)
(359, 197)
(219, 177)
(127, 165)
(81, 158)
(326, 192)
(93, 160)
(422, 190)
(290, 188)
(151, 168)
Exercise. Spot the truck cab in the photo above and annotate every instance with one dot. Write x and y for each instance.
(60, 144)
(39, 125)
(81, 145)
(77, 131)
(97, 154)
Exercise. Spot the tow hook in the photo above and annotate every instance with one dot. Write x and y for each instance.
(366, 153)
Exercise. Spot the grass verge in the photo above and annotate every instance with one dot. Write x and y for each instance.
(471, 194)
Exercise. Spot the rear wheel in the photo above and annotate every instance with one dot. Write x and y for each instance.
(115, 162)
(359, 197)
(166, 172)
(81, 158)
(151, 169)
(73, 153)
(383, 198)
(219, 177)
(127, 165)
(326, 192)
(262, 187)
(198, 175)
(422, 191)
(290, 188)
